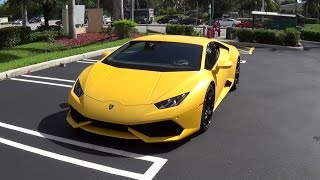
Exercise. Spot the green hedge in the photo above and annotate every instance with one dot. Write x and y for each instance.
(310, 36)
(50, 28)
(12, 36)
(108, 30)
(310, 21)
(180, 30)
(123, 28)
(288, 37)
(46, 36)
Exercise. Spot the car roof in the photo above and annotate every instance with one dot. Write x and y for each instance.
(203, 41)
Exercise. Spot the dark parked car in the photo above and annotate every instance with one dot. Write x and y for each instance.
(142, 20)
(166, 19)
(190, 21)
(36, 20)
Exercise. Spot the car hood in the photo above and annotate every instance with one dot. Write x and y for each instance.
(131, 86)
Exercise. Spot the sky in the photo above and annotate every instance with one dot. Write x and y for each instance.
(1, 1)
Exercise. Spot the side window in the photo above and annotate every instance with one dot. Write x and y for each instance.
(211, 56)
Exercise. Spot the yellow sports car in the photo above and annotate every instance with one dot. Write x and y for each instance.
(156, 88)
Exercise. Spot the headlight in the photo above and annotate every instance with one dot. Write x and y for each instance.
(78, 89)
(172, 102)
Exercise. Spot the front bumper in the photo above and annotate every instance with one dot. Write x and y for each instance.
(149, 126)
(161, 131)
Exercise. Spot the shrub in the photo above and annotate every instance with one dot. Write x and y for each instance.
(25, 34)
(179, 30)
(245, 35)
(310, 36)
(123, 28)
(265, 36)
(108, 30)
(288, 37)
(292, 36)
(51, 28)
(12, 36)
(47, 36)
(280, 37)
(310, 21)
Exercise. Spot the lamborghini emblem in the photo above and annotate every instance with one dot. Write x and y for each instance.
(111, 106)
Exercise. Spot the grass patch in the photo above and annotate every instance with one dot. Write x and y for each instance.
(46, 52)
(312, 27)
(22, 51)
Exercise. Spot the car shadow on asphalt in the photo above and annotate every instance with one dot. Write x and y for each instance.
(56, 125)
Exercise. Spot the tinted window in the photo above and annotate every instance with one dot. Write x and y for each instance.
(212, 55)
(157, 56)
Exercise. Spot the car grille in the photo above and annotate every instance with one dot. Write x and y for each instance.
(157, 129)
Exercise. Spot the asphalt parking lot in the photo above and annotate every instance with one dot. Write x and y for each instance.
(268, 129)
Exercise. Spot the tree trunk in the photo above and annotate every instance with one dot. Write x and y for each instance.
(24, 14)
(118, 9)
(72, 27)
(46, 12)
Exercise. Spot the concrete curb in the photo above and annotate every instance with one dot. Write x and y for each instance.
(257, 45)
(310, 42)
(37, 67)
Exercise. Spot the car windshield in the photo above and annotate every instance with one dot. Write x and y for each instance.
(157, 56)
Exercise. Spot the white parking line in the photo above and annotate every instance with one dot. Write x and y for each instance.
(85, 62)
(48, 78)
(158, 163)
(243, 61)
(91, 60)
(41, 82)
(72, 160)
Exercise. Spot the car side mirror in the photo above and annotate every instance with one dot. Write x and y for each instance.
(224, 64)
(106, 53)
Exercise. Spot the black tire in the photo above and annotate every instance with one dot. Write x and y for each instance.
(236, 77)
(207, 110)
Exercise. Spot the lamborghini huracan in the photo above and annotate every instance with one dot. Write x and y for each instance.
(156, 88)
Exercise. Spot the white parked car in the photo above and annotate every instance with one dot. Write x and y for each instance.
(229, 22)
(106, 20)
(17, 22)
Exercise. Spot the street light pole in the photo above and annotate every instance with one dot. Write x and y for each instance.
(318, 7)
(296, 12)
(121, 7)
(210, 15)
(132, 10)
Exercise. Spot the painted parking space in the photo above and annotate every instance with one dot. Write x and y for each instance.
(40, 105)
(245, 49)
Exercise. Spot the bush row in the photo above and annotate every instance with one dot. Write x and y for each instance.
(123, 28)
(310, 21)
(47, 36)
(288, 37)
(181, 30)
(50, 28)
(12, 36)
(310, 36)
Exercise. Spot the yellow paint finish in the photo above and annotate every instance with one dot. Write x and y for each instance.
(133, 93)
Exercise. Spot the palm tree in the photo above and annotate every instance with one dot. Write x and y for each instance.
(72, 27)
(312, 7)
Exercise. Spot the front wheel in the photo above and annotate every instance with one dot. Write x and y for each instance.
(207, 110)
(236, 77)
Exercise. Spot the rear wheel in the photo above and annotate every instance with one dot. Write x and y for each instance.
(207, 110)
(236, 77)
